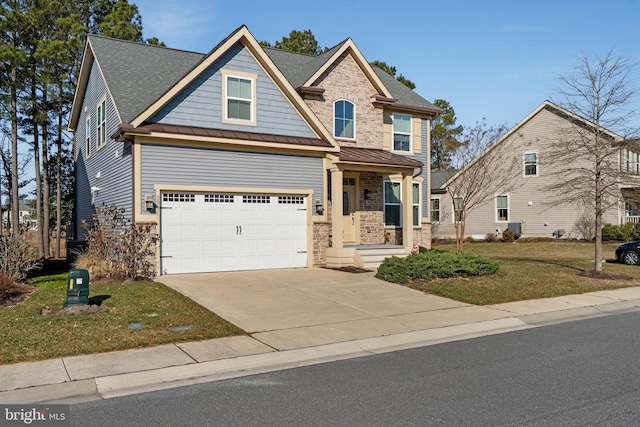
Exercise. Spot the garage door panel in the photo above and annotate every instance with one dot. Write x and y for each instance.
(218, 232)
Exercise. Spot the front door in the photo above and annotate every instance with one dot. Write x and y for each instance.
(349, 212)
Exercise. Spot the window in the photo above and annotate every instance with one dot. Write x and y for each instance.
(530, 164)
(502, 206)
(87, 131)
(435, 210)
(392, 207)
(458, 208)
(344, 124)
(401, 132)
(239, 98)
(416, 204)
(101, 123)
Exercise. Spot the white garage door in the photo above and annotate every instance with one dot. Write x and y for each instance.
(226, 232)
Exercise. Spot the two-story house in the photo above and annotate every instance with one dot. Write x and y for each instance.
(534, 204)
(252, 158)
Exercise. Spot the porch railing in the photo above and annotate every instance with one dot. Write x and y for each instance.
(630, 218)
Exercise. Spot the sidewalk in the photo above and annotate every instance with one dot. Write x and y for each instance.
(102, 376)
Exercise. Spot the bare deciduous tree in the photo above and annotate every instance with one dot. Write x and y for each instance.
(587, 154)
(486, 167)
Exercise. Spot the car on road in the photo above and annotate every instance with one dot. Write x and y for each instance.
(629, 253)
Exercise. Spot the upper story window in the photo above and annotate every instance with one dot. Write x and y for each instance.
(458, 209)
(239, 100)
(344, 123)
(401, 132)
(530, 164)
(101, 123)
(631, 161)
(87, 139)
(502, 208)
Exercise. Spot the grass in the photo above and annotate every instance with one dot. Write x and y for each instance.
(531, 270)
(28, 335)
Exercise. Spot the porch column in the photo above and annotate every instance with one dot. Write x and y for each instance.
(336, 208)
(407, 211)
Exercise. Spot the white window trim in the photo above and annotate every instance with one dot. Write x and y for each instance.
(393, 132)
(254, 100)
(87, 137)
(384, 203)
(508, 196)
(354, 120)
(101, 126)
(439, 199)
(524, 164)
(419, 204)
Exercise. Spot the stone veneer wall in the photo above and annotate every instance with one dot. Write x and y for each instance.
(345, 80)
(371, 214)
(321, 236)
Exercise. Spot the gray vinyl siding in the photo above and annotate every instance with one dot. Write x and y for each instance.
(540, 211)
(200, 103)
(226, 168)
(115, 172)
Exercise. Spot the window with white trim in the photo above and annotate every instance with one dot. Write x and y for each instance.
(435, 210)
(239, 98)
(530, 164)
(101, 123)
(392, 205)
(502, 208)
(401, 132)
(416, 204)
(344, 119)
(87, 132)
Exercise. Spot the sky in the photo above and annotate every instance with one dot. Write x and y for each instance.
(496, 60)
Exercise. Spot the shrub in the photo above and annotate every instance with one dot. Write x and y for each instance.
(469, 239)
(508, 236)
(435, 264)
(624, 232)
(17, 257)
(585, 226)
(117, 248)
(490, 237)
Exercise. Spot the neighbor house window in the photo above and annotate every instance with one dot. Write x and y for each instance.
(344, 123)
(416, 204)
(402, 132)
(458, 209)
(239, 98)
(530, 164)
(87, 139)
(101, 123)
(435, 210)
(392, 207)
(502, 206)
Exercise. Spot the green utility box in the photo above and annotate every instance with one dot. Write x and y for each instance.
(77, 288)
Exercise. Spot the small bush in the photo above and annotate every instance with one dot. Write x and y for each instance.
(118, 249)
(619, 233)
(17, 257)
(469, 239)
(508, 236)
(435, 264)
(490, 237)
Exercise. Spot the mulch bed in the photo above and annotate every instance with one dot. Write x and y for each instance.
(14, 294)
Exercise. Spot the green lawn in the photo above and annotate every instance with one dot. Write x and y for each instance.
(29, 335)
(530, 270)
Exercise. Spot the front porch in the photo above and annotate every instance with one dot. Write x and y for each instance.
(368, 257)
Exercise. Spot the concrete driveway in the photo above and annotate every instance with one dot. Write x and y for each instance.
(297, 308)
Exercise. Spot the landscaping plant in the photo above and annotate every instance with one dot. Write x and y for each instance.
(433, 264)
(117, 248)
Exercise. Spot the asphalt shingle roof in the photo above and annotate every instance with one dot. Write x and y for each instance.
(138, 74)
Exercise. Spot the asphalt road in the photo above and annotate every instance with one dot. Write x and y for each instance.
(582, 373)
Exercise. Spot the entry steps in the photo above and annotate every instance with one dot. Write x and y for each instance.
(369, 257)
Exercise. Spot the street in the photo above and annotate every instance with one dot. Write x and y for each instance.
(576, 373)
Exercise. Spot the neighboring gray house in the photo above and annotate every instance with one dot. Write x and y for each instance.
(26, 215)
(252, 158)
(536, 210)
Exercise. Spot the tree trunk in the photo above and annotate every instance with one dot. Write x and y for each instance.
(36, 162)
(46, 184)
(15, 209)
(59, 175)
